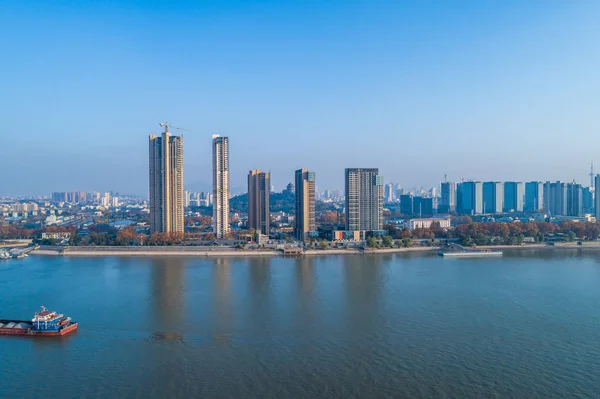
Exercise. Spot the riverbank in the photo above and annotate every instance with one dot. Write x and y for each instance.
(210, 251)
(220, 251)
(152, 251)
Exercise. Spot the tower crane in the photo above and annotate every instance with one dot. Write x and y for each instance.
(167, 126)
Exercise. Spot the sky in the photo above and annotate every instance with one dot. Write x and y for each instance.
(483, 90)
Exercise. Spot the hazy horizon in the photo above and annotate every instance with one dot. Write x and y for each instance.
(482, 91)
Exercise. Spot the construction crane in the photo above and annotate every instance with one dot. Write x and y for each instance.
(167, 126)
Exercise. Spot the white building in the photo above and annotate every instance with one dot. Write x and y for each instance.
(105, 201)
(56, 236)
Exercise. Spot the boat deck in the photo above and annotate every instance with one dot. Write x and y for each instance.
(24, 324)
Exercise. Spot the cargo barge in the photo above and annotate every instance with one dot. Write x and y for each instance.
(458, 251)
(44, 323)
(468, 254)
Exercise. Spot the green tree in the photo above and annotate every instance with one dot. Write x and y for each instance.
(371, 242)
(388, 241)
(407, 242)
(323, 244)
(520, 239)
(76, 239)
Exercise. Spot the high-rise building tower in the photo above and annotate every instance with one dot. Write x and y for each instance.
(588, 200)
(493, 197)
(406, 204)
(597, 197)
(555, 198)
(187, 198)
(364, 199)
(389, 193)
(513, 196)
(166, 183)
(574, 199)
(470, 197)
(305, 204)
(534, 196)
(220, 185)
(259, 215)
(448, 200)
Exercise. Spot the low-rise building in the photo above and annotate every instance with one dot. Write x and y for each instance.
(56, 236)
(425, 223)
(356, 235)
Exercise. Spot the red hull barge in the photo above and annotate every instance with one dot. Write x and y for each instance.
(43, 324)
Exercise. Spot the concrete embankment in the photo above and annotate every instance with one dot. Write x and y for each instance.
(151, 251)
(220, 251)
(209, 251)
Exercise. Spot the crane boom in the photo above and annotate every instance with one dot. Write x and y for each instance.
(167, 126)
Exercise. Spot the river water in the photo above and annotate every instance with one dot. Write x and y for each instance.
(525, 325)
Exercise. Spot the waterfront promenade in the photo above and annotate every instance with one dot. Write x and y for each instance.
(208, 251)
(211, 251)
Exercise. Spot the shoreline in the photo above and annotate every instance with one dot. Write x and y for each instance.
(231, 252)
(211, 251)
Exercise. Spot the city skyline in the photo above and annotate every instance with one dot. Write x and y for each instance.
(510, 87)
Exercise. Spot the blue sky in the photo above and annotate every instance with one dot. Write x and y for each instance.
(502, 90)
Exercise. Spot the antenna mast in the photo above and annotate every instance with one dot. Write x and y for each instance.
(592, 176)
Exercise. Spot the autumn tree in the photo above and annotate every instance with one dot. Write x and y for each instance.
(127, 236)
(329, 217)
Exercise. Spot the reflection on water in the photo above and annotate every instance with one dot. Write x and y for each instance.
(364, 286)
(259, 276)
(222, 293)
(305, 275)
(166, 337)
(305, 282)
(168, 287)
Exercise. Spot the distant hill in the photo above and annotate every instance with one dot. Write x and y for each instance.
(280, 202)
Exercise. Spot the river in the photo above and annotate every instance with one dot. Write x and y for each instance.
(524, 325)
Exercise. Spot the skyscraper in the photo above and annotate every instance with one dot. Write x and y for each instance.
(220, 185)
(448, 200)
(406, 204)
(588, 200)
(513, 196)
(493, 197)
(166, 183)
(305, 204)
(574, 199)
(597, 197)
(534, 196)
(555, 198)
(364, 199)
(471, 197)
(389, 193)
(259, 215)
(422, 206)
